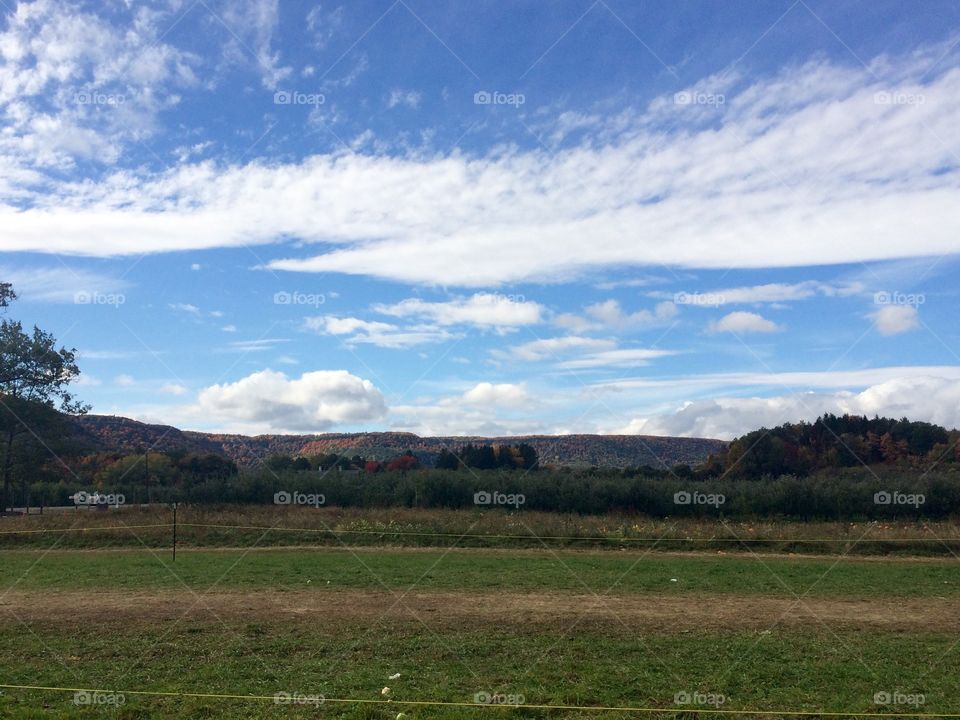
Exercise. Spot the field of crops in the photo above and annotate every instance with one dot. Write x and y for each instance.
(270, 613)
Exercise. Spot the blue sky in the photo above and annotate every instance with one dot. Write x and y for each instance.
(488, 218)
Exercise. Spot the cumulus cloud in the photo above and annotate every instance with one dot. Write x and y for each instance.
(670, 185)
(896, 319)
(314, 402)
(499, 394)
(928, 398)
(173, 389)
(741, 322)
(609, 314)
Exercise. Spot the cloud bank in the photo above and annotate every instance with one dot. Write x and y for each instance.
(819, 164)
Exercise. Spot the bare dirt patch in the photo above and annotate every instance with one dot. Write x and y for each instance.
(333, 608)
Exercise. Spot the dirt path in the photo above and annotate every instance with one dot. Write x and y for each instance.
(667, 613)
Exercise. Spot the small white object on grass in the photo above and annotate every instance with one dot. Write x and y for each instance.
(395, 676)
(673, 579)
(385, 692)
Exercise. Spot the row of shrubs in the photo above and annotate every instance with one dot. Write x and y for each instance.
(856, 494)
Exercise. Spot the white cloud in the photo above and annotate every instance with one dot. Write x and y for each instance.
(767, 293)
(261, 345)
(229, 328)
(313, 402)
(832, 379)
(186, 308)
(74, 86)
(480, 309)
(376, 333)
(624, 357)
(173, 389)
(586, 352)
(609, 314)
(741, 322)
(707, 194)
(929, 398)
(60, 284)
(407, 98)
(552, 348)
(251, 25)
(896, 319)
(497, 394)
(455, 419)
(324, 25)
(124, 380)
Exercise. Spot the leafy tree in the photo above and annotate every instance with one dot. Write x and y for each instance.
(279, 463)
(403, 463)
(529, 456)
(34, 376)
(446, 460)
(7, 295)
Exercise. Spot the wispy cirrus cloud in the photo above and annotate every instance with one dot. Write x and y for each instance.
(785, 173)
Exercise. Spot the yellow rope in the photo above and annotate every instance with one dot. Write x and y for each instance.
(530, 706)
(86, 529)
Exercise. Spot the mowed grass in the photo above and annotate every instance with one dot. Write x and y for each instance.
(452, 569)
(347, 656)
(810, 671)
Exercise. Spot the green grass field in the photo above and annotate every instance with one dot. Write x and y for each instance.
(585, 627)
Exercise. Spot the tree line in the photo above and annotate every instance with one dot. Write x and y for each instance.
(833, 442)
(853, 493)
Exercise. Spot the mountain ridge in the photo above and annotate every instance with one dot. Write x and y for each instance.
(113, 433)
